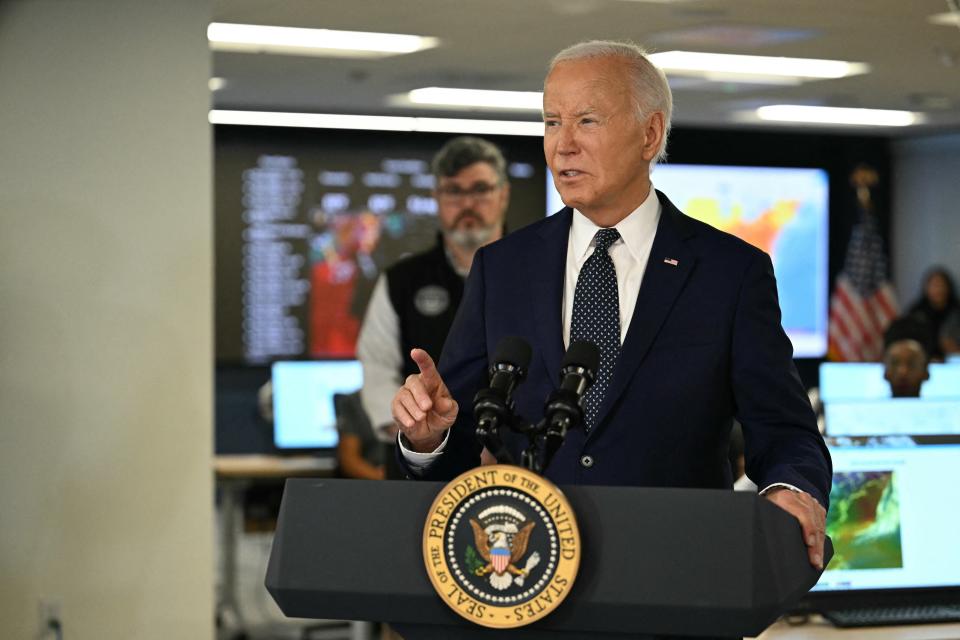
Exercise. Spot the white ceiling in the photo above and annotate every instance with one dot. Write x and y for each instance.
(506, 44)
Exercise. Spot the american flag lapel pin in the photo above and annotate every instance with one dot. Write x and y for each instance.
(670, 261)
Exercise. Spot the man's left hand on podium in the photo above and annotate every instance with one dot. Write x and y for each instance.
(811, 515)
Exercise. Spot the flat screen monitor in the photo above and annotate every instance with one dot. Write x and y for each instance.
(840, 381)
(893, 416)
(892, 517)
(784, 211)
(857, 401)
(303, 410)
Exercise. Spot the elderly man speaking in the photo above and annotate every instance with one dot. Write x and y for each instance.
(686, 318)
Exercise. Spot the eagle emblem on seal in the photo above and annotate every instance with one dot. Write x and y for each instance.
(502, 545)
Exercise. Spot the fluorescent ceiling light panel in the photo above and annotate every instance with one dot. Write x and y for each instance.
(480, 127)
(310, 120)
(254, 38)
(375, 123)
(729, 67)
(481, 98)
(948, 19)
(749, 78)
(837, 115)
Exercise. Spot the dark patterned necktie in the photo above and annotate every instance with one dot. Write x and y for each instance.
(596, 316)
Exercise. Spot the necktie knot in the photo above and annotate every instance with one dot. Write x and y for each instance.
(605, 238)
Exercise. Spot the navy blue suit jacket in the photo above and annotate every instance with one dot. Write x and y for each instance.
(705, 344)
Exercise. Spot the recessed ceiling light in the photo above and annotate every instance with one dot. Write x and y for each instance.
(254, 38)
(725, 67)
(481, 98)
(838, 115)
(216, 84)
(375, 123)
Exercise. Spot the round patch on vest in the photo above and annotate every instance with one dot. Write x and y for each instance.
(431, 300)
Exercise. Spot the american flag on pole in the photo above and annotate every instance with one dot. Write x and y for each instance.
(863, 302)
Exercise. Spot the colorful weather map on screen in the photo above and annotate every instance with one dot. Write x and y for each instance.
(782, 211)
(864, 521)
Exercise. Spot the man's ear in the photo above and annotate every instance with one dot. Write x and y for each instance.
(654, 128)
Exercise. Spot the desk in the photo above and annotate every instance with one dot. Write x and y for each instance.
(264, 466)
(234, 473)
(820, 629)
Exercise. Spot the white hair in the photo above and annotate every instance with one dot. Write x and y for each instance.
(650, 88)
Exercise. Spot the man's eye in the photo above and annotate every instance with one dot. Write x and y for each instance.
(588, 121)
(550, 123)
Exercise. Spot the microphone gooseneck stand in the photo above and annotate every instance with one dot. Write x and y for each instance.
(493, 407)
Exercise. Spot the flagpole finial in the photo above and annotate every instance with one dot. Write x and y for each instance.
(863, 178)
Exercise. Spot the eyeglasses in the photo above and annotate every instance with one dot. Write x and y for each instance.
(479, 191)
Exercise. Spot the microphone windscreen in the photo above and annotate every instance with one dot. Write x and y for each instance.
(582, 353)
(515, 351)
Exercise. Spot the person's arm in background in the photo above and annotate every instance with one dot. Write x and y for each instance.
(785, 453)
(378, 349)
(352, 463)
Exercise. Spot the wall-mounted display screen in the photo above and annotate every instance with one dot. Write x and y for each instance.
(307, 219)
(784, 211)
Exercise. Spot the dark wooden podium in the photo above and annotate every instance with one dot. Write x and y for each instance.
(654, 561)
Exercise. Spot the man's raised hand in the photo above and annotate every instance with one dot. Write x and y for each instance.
(423, 407)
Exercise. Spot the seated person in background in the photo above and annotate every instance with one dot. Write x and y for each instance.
(906, 357)
(359, 452)
(950, 335)
(938, 301)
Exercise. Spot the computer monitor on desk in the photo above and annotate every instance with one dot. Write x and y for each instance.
(846, 381)
(894, 524)
(857, 402)
(303, 412)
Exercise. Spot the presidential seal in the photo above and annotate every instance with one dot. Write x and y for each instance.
(501, 546)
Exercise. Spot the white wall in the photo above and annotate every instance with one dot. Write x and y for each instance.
(105, 323)
(926, 210)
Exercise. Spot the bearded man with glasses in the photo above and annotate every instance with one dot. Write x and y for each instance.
(415, 301)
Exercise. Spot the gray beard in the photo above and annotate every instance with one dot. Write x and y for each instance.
(470, 239)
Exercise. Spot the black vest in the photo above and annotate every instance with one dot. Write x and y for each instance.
(425, 292)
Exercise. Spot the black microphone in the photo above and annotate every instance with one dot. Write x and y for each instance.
(493, 406)
(564, 408)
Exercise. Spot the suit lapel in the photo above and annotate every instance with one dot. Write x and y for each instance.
(662, 283)
(548, 263)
